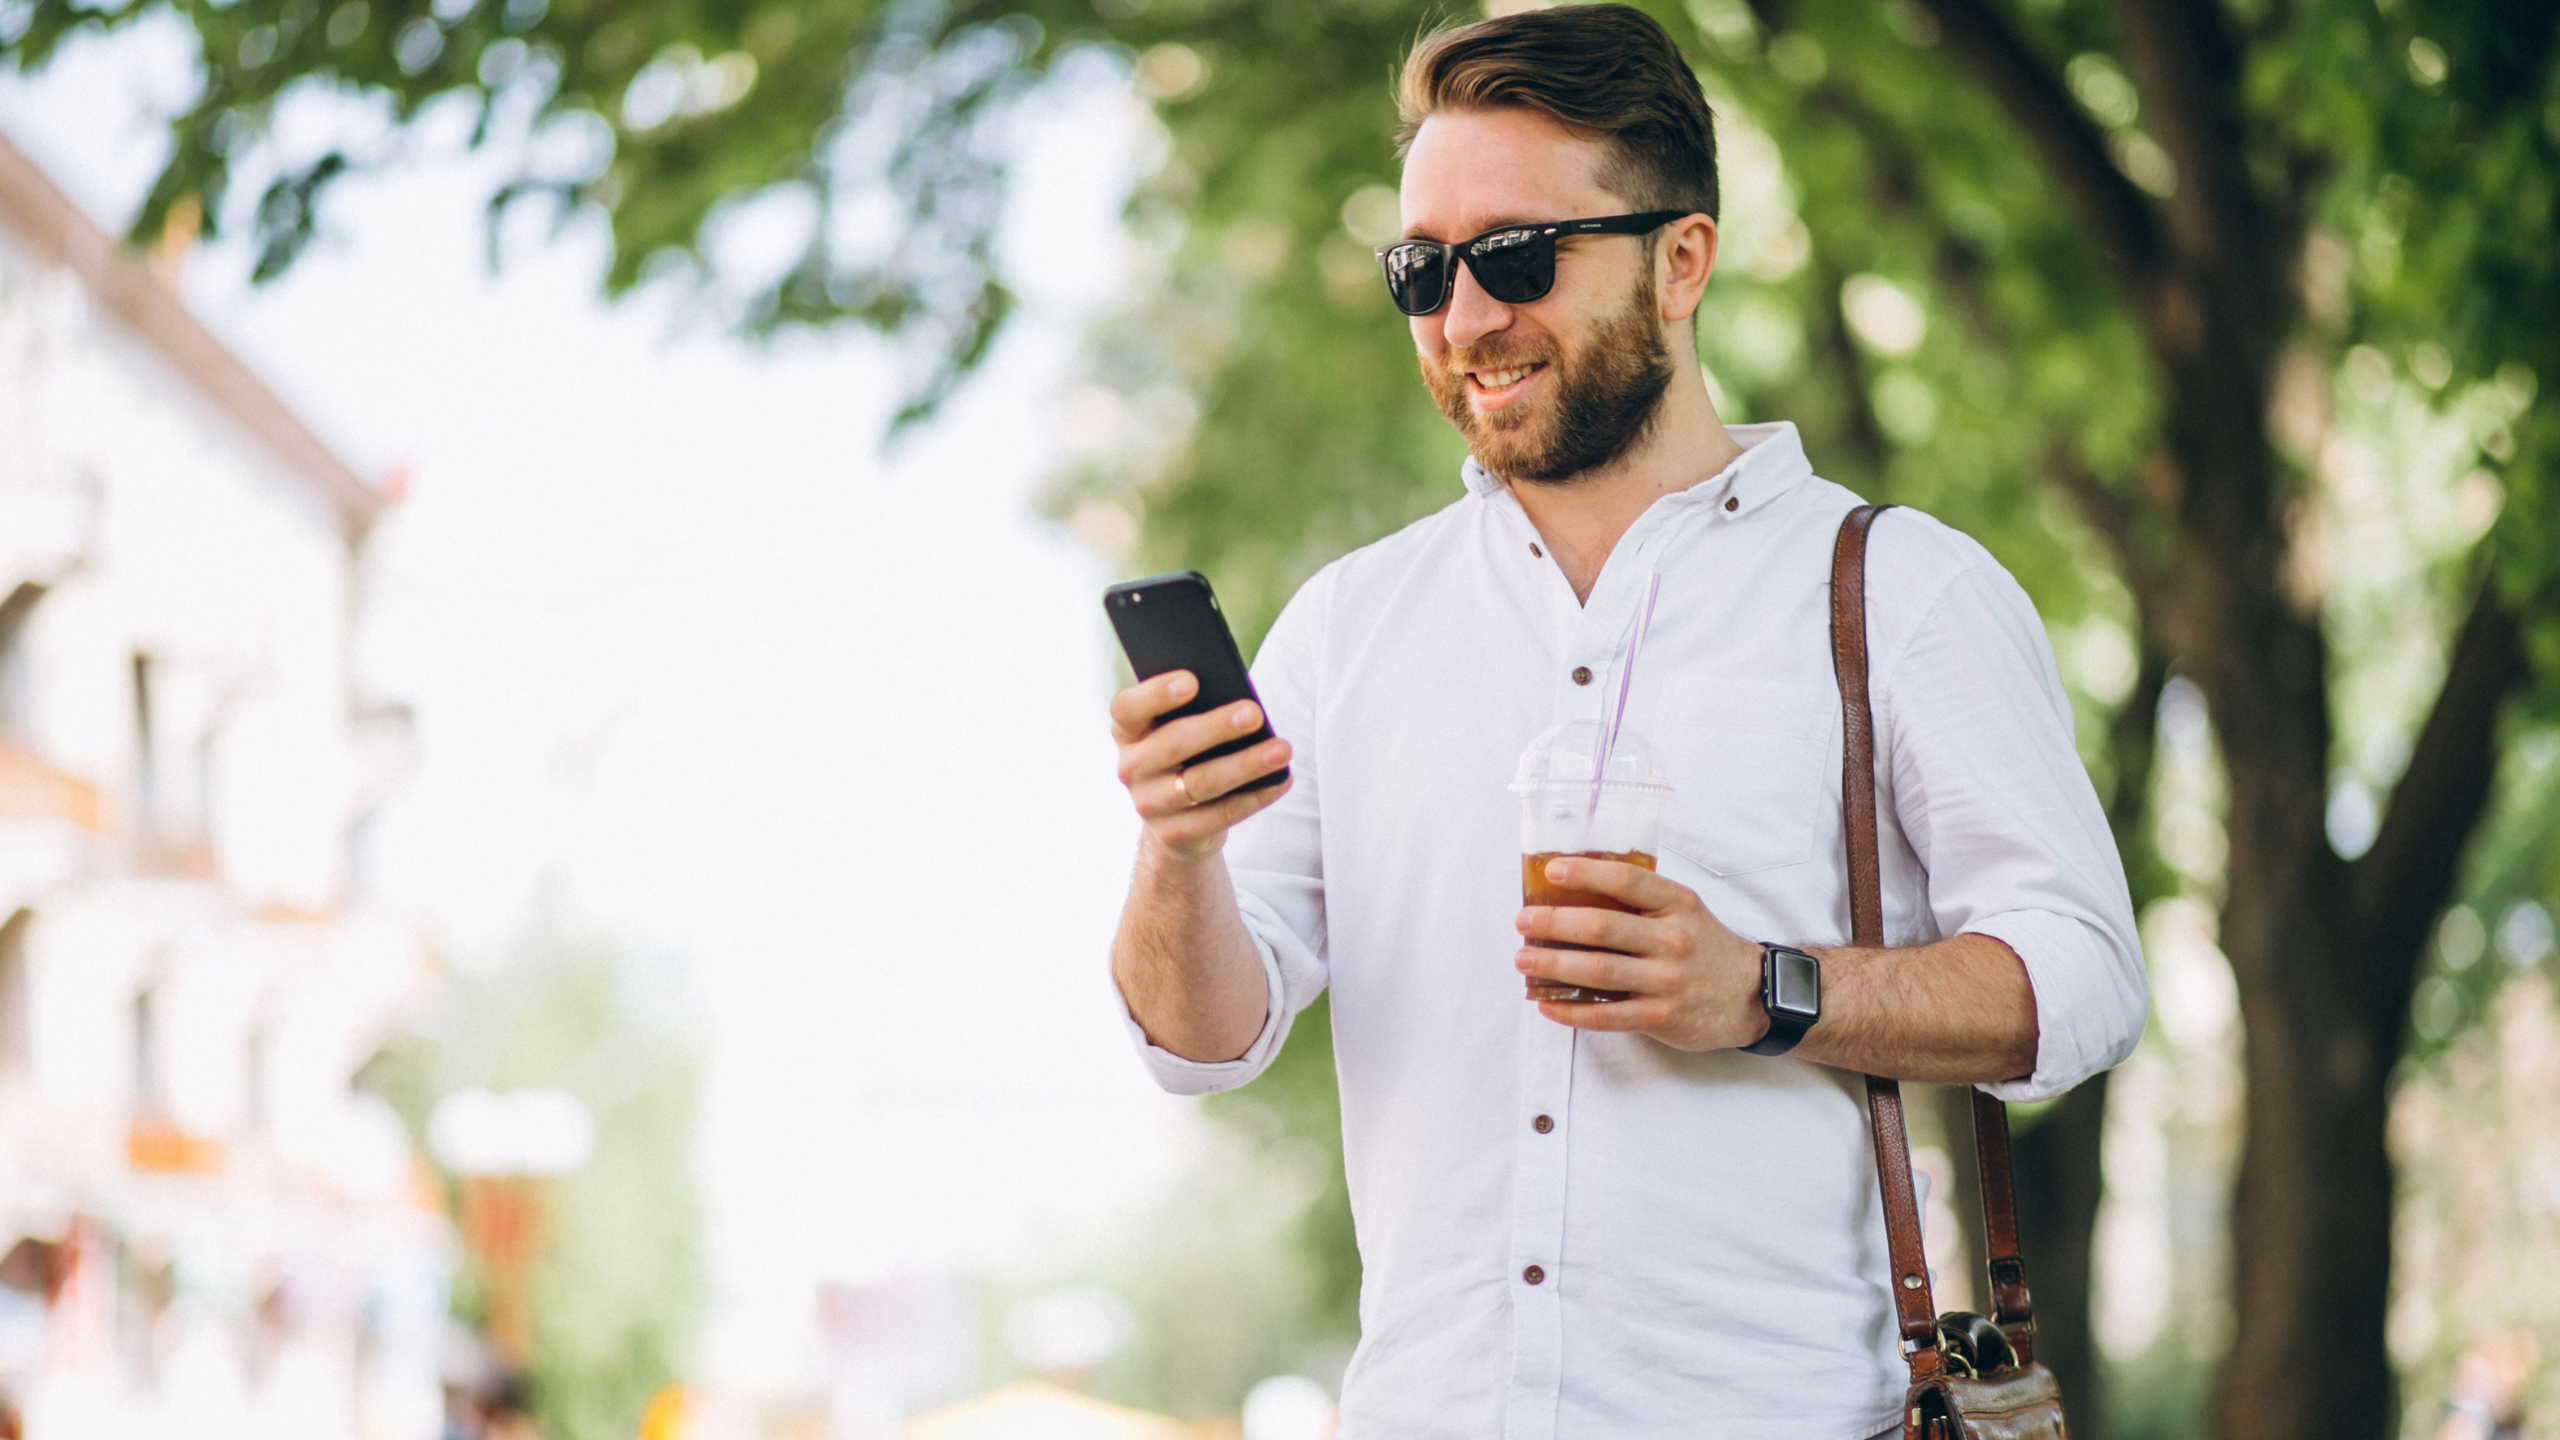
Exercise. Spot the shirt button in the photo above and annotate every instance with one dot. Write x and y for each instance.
(1534, 550)
(1732, 504)
(1534, 1275)
(1543, 1124)
(1581, 674)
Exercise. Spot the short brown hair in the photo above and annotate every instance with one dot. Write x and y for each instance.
(1607, 71)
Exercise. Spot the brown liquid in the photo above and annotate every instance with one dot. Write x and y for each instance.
(1537, 889)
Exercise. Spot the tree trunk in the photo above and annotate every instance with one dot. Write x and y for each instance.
(2311, 1226)
(2311, 1217)
(2311, 1220)
(2326, 956)
(1961, 1282)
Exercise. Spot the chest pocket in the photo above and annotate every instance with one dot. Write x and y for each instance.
(1744, 796)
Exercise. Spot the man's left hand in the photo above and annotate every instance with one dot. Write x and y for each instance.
(1692, 984)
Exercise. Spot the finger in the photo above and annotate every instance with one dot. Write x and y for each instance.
(1233, 808)
(1644, 1013)
(1170, 745)
(1596, 969)
(1134, 711)
(1190, 829)
(1162, 796)
(1590, 925)
(1211, 779)
(1633, 884)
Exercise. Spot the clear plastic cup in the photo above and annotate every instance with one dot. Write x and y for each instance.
(1572, 804)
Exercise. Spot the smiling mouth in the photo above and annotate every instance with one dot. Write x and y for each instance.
(1494, 382)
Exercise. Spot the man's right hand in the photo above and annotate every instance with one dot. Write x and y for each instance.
(1188, 812)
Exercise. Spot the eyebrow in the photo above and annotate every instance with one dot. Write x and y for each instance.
(1507, 224)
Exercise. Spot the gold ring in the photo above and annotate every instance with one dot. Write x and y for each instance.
(1179, 783)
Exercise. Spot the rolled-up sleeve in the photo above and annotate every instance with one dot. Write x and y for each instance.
(1991, 793)
(1275, 860)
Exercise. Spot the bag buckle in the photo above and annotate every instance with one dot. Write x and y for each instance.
(1973, 1345)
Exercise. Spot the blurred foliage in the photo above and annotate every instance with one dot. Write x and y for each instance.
(2476, 1132)
(2424, 132)
(1243, 1271)
(1293, 1113)
(2503, 925)
(620, 1289)
(1853, 150)
(659, 114)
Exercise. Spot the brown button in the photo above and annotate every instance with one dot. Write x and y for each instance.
(1543, 1124)
(1534, 550)
(1731, 504)
(1581, 674)
(1534, 1275)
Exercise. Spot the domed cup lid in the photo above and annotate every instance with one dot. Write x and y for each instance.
(1566, 755)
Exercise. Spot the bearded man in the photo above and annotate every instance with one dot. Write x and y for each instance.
(1657, 1216)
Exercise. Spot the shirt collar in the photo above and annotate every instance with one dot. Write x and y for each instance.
(1771, 463)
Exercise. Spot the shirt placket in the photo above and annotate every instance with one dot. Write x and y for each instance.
(1540, 1271)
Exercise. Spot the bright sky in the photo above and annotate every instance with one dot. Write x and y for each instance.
(825, 722)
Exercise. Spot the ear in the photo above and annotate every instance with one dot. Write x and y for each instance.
(1683, 256)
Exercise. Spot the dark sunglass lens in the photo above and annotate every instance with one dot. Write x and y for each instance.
(1514, 266)
(1417, 276)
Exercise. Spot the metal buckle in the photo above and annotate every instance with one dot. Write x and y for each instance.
(1974, 1346)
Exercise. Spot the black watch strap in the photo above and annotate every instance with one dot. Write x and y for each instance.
(1787, 1024)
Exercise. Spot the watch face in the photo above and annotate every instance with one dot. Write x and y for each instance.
(1799, 983)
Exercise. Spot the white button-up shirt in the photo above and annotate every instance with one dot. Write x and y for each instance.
(1707, 1242)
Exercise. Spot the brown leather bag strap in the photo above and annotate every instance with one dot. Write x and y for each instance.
(1915, 1313)
(1857, 724)
(1914, 1307)
(2011, 1305)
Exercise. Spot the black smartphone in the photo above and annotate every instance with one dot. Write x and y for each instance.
(1172, 622)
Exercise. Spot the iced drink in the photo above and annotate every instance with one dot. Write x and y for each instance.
(1573, 804)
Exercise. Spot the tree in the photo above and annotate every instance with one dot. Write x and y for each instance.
(618, 1289)
(2076, 277)
(2326, 950)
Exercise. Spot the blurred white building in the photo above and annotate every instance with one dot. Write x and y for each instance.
(207, 1231)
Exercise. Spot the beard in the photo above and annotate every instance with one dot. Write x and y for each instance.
(1608, 387)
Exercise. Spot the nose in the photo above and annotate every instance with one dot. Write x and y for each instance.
(1471, 314)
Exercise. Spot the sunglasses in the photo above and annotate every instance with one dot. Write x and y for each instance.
(1515, 264)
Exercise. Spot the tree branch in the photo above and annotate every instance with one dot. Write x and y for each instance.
(1859, 432)
(2188, 59)
(1894, 169)
(2074, 153)
(2119, 523)
(2134, 737)
(2398, 886)
(2108, 513)
(1895, 182)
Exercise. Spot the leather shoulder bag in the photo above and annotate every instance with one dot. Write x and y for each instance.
(1972, 1377)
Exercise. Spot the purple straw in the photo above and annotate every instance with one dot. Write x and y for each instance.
(1626, 682)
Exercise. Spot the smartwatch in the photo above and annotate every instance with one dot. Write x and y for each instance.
(1791, 991)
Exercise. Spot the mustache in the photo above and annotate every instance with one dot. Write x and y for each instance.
(1495, 356)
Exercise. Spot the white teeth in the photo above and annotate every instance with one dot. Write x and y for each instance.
(1503, 379)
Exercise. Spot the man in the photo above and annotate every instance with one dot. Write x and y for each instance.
(1612, 1219)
